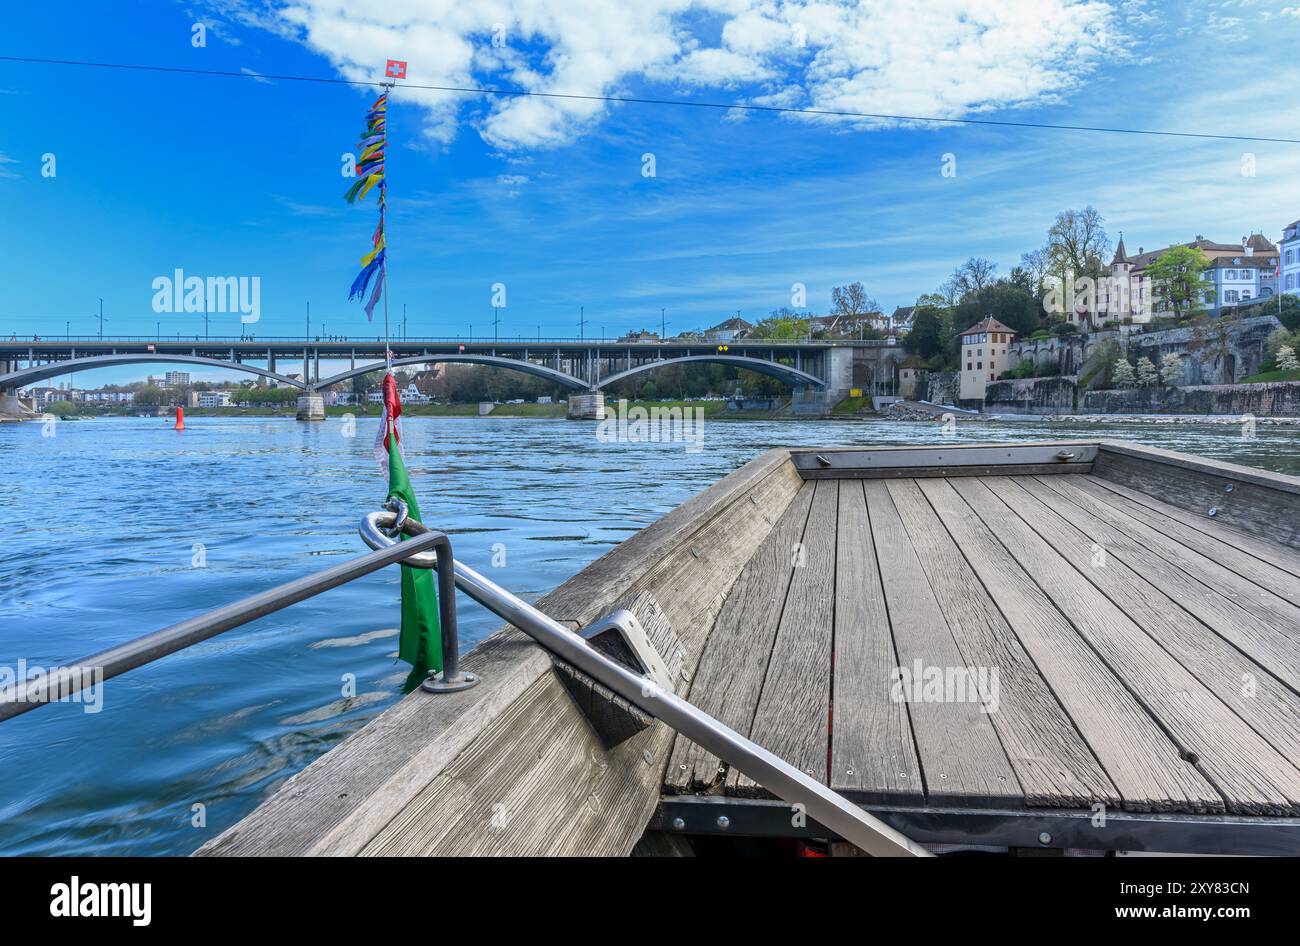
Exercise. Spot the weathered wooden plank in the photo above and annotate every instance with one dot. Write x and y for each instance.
(337, 804)
(537, 781)
(1266, 704)
(1210, 593)
(1257, 586)
(792, 719)
(1265, 564)
(507, 770)
(1261, 503)
(872, 751)
(912, 473)
(1282, 556)
(1142, 762)
(1251, 775)
(1053, 764)
(961, 759)
(952, 456)
(729, 679)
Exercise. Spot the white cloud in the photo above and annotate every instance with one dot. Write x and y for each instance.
(952, 58)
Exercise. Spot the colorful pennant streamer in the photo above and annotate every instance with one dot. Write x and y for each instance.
(370, 172)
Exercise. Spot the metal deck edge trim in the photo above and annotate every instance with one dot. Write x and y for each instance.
(1043, 828)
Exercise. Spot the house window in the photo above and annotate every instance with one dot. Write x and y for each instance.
(1230, 295)
(979, 365)
(968, 367)
(1290, 280)
(1290, 257)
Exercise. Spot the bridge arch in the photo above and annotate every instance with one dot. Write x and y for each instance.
(792, 376)
(494, 361)
(53, 369)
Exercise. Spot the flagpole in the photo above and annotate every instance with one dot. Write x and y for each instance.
(388, 116)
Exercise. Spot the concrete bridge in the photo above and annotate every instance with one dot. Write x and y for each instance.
(819, 372)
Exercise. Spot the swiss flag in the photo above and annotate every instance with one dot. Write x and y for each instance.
(396, 69)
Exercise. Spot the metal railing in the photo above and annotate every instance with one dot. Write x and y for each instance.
(396, 538)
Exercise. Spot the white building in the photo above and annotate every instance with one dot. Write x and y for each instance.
(176, 379)
(1290, 250)
(1238, 273)
(729, 331)
(214, 399)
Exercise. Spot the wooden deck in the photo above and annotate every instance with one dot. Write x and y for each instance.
(1132, 615)
(1136, 655)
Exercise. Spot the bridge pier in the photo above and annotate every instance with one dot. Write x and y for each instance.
(311, 405)
(589, 406)
(11, 408)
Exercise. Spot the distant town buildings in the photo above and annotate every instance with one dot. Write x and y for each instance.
(176, 379)
(983, 356)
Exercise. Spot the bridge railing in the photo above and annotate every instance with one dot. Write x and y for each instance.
(22, 342)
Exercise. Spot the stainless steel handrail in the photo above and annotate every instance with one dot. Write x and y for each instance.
(819, 802)
(65, 681)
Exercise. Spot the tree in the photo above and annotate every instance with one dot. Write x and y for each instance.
(972, 276)
(1098, 364)
(1171, 368)
(852, 301)
(1177, 276)
(1037, 264)
(782, 324)
(1013, 307)
(1077, 245)
(148, 396)
(1123, 375)
(1212, 341)
(61, 408)
(1146, 372)
(927, 335)
(1286, 359)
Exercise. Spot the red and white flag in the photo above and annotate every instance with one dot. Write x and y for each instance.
(390, 428)
(396, 69)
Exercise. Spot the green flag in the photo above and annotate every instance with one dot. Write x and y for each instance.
(421, 640)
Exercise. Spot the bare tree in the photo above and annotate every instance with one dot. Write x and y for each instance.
(1037, 263)
(851, 302)
(1077, 244)
(972, 276)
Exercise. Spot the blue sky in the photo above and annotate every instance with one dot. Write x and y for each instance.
(231, 176)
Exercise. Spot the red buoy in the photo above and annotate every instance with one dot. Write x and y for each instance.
(180, 418)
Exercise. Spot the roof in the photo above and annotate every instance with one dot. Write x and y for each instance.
(989, 325)
(903, 312)
(732, 323)
(1120, 255)
(1215, 251)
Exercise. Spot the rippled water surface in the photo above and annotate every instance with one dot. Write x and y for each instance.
(103, 524)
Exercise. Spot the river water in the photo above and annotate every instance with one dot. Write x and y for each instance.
(116, 527)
